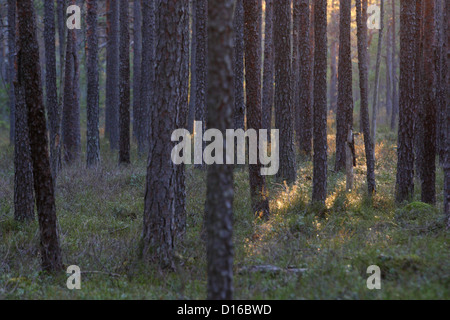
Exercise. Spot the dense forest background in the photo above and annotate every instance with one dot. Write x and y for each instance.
(86, 118)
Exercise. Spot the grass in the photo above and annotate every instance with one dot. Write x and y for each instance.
(100, 224)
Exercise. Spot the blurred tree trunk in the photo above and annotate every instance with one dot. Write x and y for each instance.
(320, 102)
(361, 18)
(239, 103)
(268, 77)
(201, 17)
(23, 167)
(377, 76)
(220, 193)
(283, 90)
(61, 21)
(429, 105)
(112, 75)
(388, 60)
(182, 115)
(93, 138)
(29, 80)
(252, 34)
(418, 89)
(137, 66)
(441, 69)
(71, 113)
(124, 85)
(303, 115)
(147, 74)
(159, 212)
(395, 100)
(11, 69)
(193, 83)
(405, 165)
(51, 90)
(344, 116)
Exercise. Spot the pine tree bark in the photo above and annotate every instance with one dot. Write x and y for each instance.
(418, 89)
(252, 34)
(344, 116)
(53, 109)
(147, 73)
(182, 115)
(112, 75)
(304, 113)
(320, 102)
(405, 165)
(137, 66)
(220, 193)
(361, 18)
(377, 76)
(159, 212)
(93, 136)
(11, 69)
(395, 100)
(29, 79)
(429, 105)
(193, 84)
(71, 113)
(283, 90)
(201, 14)
(124, 85)
(23, 167)
(239, 103)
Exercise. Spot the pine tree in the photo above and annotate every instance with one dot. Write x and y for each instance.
(29, 80)
(252, 34)
(283, 91)
(405, 164)
(219, 203)
(124, 85)
(93, 138)
(320, 102)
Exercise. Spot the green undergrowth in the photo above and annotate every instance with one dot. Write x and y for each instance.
(100, 215)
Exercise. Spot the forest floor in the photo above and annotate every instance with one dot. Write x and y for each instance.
(100, 225)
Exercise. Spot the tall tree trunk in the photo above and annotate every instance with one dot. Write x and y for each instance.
(193, 83)
(252, 33)
(159, 212)
(441, 69)
(182, 115)
(137, 65)
(389, 72)
(395, 100)
(147, 73)
(11, 69)
(377, 75)
(405, 165)
(268, 77)
(124, 86)
(303, 115)
(29, 79)
(201, 15)
(71, 112)
(54, 113)
(344, 116)
(429, 106)
(219, 203)
(418, 89)
(361, 18)
(320, 102)
(283, 90)
(61, 21)
(295, 66)
(112, 75)
(93, 137)
(239, 103)
(23, 167)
